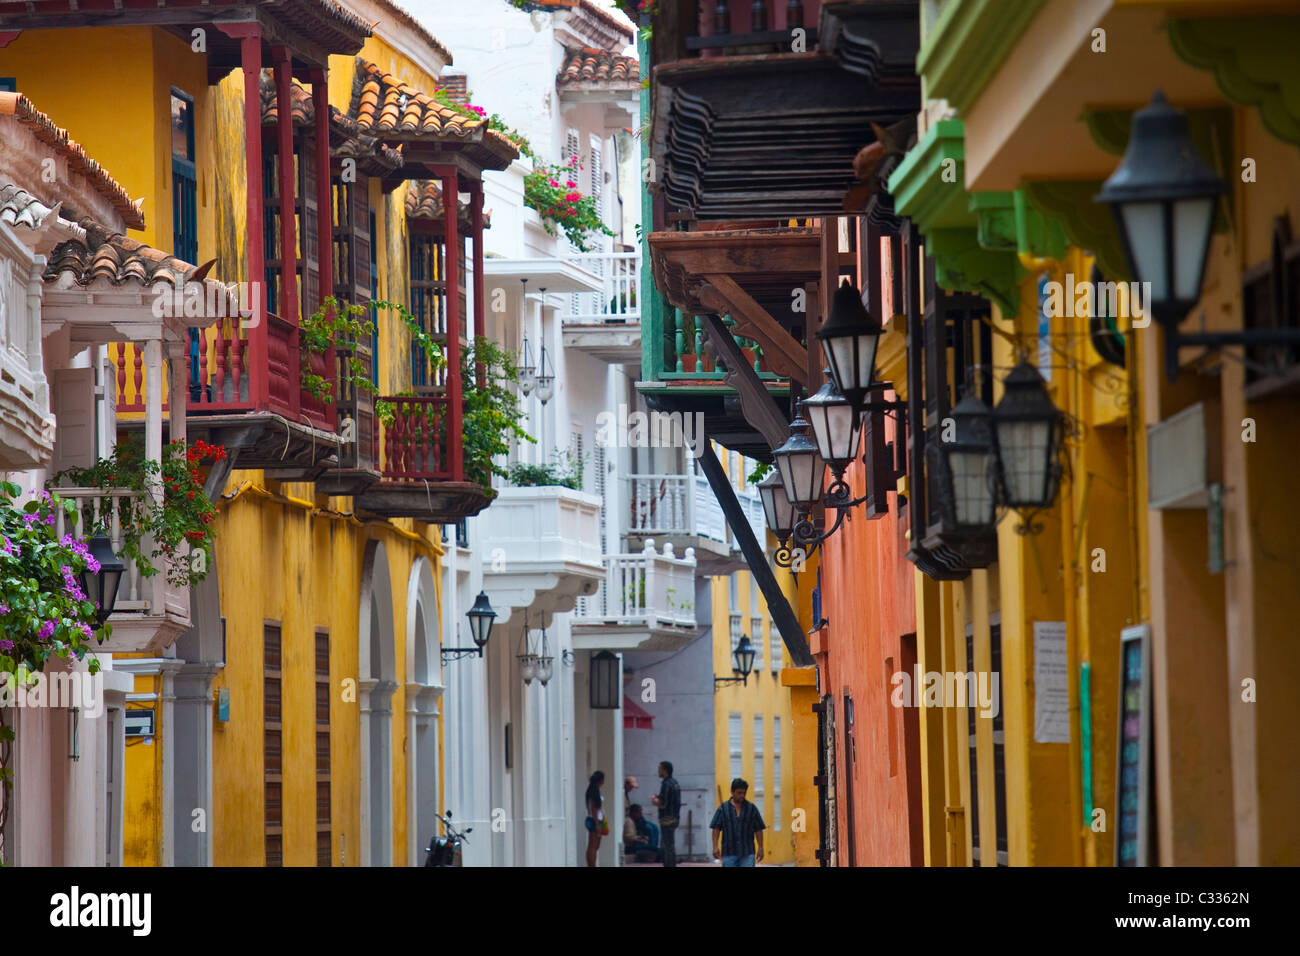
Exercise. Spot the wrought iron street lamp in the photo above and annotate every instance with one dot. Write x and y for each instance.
(480, 618)
(1028, 430)
(742, 663)
(800, 464)
(101, 587)
(1164, 196)
(849, 339)
(835, 426)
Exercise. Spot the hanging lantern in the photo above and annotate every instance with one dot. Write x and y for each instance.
(527, 374)
(545, 382)
(1163, 196)
(605, 688)
(101, 587)
(969, 491)
(802, 469)
(835, 425)
(777, 508)
(1028, 430)
(849, 338)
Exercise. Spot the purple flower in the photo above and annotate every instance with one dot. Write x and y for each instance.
(47, 631)
(6, 645)
(72, 585)
(90, 635)
(29, 517)
(8, 546)
(4, 608)
(51, 519)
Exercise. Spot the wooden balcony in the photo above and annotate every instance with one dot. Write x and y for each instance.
(420, 471)
(244, 392)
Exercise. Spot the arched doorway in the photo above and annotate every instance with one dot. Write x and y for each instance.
(424, 692)
(378, 672)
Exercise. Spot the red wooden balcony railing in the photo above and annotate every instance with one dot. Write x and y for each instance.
(230, 373)
(415, 446)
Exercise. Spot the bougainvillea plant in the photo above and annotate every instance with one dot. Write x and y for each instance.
(554, 193)
(153, 532)
(44, 611)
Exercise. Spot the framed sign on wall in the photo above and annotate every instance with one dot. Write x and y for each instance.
(1133, 774)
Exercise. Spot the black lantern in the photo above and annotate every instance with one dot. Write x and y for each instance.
(604, 681)
(777, 508)
(803, 471)
(849, 338)
(742, 664)
(481, 617)
(1028, 430)
(835, 425)
(101, 588)
(969, 472)
(1163, 196)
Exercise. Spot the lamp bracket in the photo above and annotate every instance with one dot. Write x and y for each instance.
(456, 653)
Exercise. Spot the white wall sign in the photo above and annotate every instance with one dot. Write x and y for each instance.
(1051, 687)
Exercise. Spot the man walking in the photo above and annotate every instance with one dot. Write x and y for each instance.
(669, 802)
(738, 824)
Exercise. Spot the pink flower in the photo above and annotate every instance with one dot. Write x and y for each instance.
(574, 196)
(571, 184)
(47, 631)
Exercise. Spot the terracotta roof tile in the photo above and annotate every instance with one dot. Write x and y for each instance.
(116, 258)
(45, 130)
(381, 103)
(345, 134)
(606, 16)
(424, 201)
(20, 208)
(592, 67)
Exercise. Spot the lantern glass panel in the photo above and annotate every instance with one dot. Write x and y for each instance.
(1144, 223)
(776, 506)
(1025, 447)
(835, 427)
(1193, 226)
(972, 486)
(527, 380)
(744, 656)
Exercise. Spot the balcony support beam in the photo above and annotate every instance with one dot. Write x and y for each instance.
(476, 228)
(783, 615)
(450, 181)
(250, 47)
(760, 410)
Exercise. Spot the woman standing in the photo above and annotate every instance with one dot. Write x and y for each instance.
(596, 825)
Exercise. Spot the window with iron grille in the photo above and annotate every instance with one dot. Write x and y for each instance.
(777, 646)
(272, 749)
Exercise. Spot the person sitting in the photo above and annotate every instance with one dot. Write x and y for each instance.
(640, 836)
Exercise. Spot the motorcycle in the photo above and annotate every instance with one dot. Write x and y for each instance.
(446, 850)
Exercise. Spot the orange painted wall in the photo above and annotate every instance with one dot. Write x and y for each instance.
(867, 596)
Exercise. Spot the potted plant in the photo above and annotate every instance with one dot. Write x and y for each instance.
(564, 471)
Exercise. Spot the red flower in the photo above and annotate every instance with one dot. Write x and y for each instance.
(191, 495)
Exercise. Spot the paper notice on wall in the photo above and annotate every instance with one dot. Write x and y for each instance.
(1051, 687)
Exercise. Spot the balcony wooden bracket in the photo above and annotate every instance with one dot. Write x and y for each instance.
(760, 410)
(755, 555)
(784, 355)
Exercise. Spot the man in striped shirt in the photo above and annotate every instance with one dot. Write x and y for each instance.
(738, 824)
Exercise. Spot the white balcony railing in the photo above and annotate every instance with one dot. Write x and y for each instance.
(137, 595)
(619, 302)
(651, 589)
(685, 505)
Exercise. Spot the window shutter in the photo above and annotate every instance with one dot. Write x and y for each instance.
(758, 783)
(73, 397)
(308, 231)
(598, 175)
(735, 746)
(107, 407)
(776, 772)
(755, 623)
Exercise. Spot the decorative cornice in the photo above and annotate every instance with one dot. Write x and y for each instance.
(967, 44)
(1253, 61)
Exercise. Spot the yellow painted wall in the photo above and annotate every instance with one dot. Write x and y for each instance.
(764, 695)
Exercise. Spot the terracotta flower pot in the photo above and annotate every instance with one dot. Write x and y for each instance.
(688, 363)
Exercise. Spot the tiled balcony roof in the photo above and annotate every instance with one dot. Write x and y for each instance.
(45, 130)
(18, 207)
(345, 134)
(605, 17)
(424, 201)
(115, 258)
(590, 67)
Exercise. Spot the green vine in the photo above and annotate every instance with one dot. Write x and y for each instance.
(343, 325)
